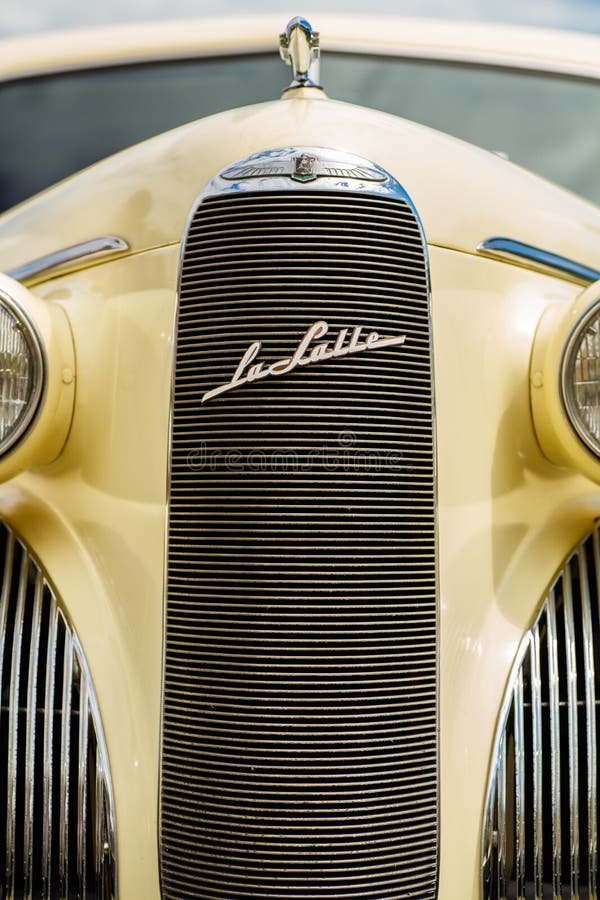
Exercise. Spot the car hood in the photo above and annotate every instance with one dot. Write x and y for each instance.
(144, 194)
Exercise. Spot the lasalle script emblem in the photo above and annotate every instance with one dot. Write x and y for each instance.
(308, 352)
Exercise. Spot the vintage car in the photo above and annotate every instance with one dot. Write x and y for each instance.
(300, 435)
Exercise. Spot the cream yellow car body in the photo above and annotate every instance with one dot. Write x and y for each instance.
(96, 516)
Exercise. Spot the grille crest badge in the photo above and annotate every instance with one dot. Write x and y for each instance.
(304, 354)
(305, 168)
(302, 167)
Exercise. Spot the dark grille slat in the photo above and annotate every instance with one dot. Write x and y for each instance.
(299, 749)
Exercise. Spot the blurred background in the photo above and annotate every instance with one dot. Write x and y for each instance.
(27, 16)
(83, 96)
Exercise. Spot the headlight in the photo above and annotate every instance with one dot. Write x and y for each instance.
(581, 378)
(37, 379)
(21, 372)
(565, 383)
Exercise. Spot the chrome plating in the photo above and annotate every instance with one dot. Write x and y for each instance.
(572, 710)
(30, 734)
(566, 372)
(277, 170)
(515, 251)
(513, 706)
(299, 48)
(538, 762)
(345, 172)
(519, 785)
(38, 361)
(331, 349)
(13, 730)
(70, 796)
(553, 692)
(106, 245)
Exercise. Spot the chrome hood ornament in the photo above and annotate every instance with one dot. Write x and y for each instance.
(306, 353)
(299, 48)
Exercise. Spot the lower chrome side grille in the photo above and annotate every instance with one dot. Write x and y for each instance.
(541, 823)
(56, 815)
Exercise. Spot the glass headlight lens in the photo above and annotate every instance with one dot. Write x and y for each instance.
(581, 379)
(21, 373)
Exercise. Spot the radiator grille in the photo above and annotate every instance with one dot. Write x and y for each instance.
(56, 825)
(541, 829)
(299, 750)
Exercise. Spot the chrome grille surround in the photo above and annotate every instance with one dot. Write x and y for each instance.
(299, 736)
(57, 829)
(540, 831)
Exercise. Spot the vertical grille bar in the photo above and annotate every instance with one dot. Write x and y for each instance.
(553, 692)
(591, 719)
(299, 748)
(82, 789)
(5, 597)
(520, 813)
(65, 765)
(98, 827)
(571, 659)
(48, 721)
(538, 763)
(557, 679)
(502, 821)
(32, 681)
(49, 750)
(7, 580)
(13, 729)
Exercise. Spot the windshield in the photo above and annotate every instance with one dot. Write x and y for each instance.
(61, 123)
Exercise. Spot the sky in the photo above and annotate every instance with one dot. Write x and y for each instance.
(29, 16)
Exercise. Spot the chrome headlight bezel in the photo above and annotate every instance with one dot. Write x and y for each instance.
(35, 346)
(566, 380)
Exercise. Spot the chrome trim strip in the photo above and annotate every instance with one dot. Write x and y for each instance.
(515, 677)
(276, 170)
(502, 821)
(520, 812)
(105, 809)
(98, 836)
(536, 728)
(553, 691)
(572, 725)
(590, 716)
(590, 697)
(106, 245)
(13, 729)
(65, 760)
(5, 596)
(34, 653)
(507, 249)
(82, 784)
(49, 748)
